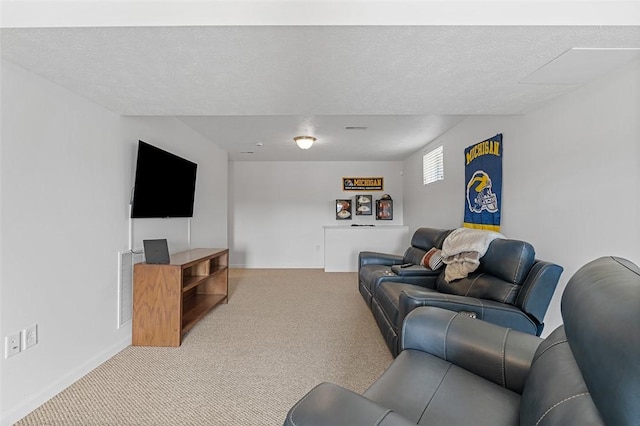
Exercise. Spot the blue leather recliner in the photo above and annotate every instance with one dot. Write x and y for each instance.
(455, 370)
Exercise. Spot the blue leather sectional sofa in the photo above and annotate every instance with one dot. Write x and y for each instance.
(510, 288)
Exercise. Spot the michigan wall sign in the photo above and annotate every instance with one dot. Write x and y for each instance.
(362, 184)
(483, 184)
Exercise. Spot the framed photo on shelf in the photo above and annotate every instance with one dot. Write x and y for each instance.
(364, 205)
(343, 209)
(384, 210)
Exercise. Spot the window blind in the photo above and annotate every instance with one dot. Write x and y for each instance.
(433, 166)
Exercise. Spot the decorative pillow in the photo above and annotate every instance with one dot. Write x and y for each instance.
(433, 259)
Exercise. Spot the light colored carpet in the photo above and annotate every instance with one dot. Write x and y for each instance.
(246, 363)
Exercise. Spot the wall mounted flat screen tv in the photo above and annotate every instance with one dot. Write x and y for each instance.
(164, 184)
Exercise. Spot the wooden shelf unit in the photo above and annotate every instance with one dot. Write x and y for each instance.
(168, 300)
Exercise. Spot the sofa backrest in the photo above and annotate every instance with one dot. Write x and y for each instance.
(502, 272)
(422, 241)
(588, 370)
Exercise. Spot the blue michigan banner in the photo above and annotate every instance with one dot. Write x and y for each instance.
(483, 181)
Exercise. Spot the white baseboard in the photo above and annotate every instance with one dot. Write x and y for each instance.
(8, 418)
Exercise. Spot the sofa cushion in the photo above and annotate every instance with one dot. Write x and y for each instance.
(509, 260)
(433, 259)
(414, 255)
(482, 286)
(347, 408)
(425, 238)
(424, 388)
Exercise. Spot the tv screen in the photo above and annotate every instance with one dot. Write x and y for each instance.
(164, 185)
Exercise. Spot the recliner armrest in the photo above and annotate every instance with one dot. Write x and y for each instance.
(329, 404)
(375, 258)
(537, 290)
(491, 311)
(495, 353)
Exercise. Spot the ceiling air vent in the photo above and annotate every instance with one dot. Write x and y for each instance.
(356, 128)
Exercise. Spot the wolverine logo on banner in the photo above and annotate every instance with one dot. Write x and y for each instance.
(483, 179)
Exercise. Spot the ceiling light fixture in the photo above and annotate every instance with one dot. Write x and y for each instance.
(304, 142)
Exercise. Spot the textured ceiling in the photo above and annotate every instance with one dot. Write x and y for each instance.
(243, 85)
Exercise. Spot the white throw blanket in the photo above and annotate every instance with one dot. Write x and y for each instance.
(462, 250)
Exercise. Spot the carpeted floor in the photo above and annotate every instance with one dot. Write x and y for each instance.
(246, 363)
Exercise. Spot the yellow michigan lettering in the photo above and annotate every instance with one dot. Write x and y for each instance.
(367, 182)
(483, 148)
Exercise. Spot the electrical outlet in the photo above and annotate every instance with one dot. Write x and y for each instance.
(29, 337)
(12, 345)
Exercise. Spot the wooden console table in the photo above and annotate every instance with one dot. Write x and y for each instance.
(168, 300)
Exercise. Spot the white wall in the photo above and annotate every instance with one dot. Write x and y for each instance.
(571, 177)
(277, 210)
(66, 173)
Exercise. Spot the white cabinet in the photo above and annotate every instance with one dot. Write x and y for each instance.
(342, 244)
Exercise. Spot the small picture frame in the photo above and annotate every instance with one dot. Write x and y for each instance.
(384, 209)
(364, 205)
(343, 209)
